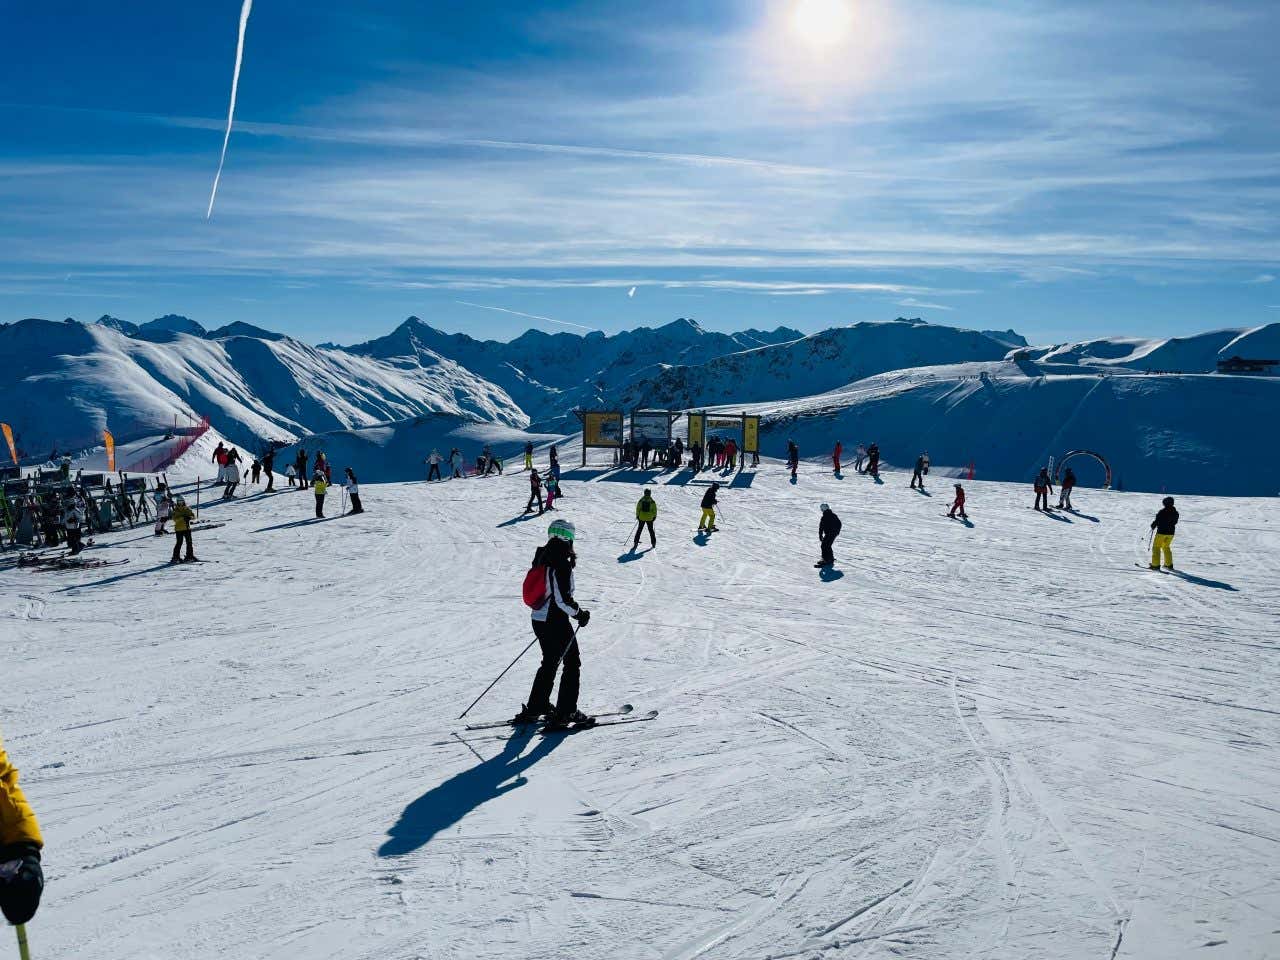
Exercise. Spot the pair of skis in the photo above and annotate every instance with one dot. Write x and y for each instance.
(608, 719)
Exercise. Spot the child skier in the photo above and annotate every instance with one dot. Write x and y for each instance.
(182, 518)
(319, 485)
(958, 504)
(708, 521)
(646, 513)
(1164, 525)
(556, 634)
(21, 877)
(291, 474)
(553, 489)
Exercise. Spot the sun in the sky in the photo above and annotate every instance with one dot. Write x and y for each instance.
(821, 23)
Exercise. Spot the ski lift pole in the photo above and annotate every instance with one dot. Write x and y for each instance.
(24, 952)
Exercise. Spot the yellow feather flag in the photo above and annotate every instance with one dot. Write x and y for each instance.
(110, 441)
(8, 436)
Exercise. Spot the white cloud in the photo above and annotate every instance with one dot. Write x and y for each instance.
(913, 302)
(1263, 278)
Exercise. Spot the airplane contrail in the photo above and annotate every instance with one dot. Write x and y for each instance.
(531, 316)
(231, 110)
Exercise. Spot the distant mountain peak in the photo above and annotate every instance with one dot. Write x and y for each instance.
(115, 323)
(174, 323)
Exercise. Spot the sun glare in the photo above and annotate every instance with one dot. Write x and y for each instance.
(821, 23)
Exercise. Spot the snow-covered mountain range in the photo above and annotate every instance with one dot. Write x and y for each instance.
(1156, 408)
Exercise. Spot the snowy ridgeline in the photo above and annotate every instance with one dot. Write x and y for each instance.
(1155, 408)
(1003, 740)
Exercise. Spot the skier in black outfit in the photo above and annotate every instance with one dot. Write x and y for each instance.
(1164, 525)
(708, 521)
(873, 460)
(793, 457)
(828, 530)
(268, 467)
(918, 475)
(556, 635)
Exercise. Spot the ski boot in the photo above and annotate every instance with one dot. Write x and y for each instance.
(528, 715)
(575, 719)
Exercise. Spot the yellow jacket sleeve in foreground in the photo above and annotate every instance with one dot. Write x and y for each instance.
(17, 819)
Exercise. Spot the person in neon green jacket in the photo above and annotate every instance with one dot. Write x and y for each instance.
(318, 486)
(646, 513)
(21, 877)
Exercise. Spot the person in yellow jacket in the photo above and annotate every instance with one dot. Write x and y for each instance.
(319, 485)
(21, 878)
(182, 518)
(646, 513)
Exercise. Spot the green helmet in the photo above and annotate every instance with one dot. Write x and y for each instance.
(562, 529)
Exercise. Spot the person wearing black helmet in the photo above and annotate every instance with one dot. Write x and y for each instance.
(1162, 544)
(553, 626)
(708, 521)
(646, 513)
(828, 530)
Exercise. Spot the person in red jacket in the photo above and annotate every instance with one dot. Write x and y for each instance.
(835, 455)
(958, 504)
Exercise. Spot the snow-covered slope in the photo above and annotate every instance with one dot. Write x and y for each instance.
(810, 365)
(1195, 354)
(71, 380)
(1003, 741)
(1180, 433)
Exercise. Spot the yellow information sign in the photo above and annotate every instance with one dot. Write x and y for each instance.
(697, 427)
(751, 434)
(602, 429)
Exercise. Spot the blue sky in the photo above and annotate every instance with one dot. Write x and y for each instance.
(1069, 170)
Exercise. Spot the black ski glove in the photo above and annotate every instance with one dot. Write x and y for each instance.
(21, 882)
(583, 617)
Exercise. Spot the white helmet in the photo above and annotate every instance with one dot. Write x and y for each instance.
(563, 529)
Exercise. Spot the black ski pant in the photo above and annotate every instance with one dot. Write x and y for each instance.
(555, 637)
(271, 482)
(319, 504)
(653, 538)
(827, 556)
(73, 539)
(1042, 499)
(917, 478)
(181, 537)
(254, 474)
(535, 495)
(435, 472)
(356, 507)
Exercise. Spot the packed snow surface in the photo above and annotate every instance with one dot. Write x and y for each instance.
(999, 740)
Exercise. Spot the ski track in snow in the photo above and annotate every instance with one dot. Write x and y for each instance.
(997, 742)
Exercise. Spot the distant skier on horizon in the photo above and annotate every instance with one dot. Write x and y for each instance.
(1044, 488)
(835, 457)
(528, 454)
(793, 458)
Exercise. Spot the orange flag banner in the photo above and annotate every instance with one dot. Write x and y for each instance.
(8, 436)
(110, 441)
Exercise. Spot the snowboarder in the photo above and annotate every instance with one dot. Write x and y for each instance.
(958, 504)
(873, 460)
(556, 634)
(21, 877)
(1064, 492)
(1043, 487)
(319, 485)
(793, 458)
(353, 490)
(922, 467)
(164, 507)
(1162, 544)
(535, 492)
(828, 530)
(528, 454)
(835, 457)
(269, 468)
(708, 521)
(859, 456)
(433, 464)
(182, 517)
(646, 513)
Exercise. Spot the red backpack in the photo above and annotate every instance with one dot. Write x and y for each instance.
(535, 584)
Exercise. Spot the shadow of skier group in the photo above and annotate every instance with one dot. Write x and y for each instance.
(446, 804)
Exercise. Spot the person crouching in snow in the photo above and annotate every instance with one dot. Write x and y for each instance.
(958, 504)
(319, 485)
(353, 491)
(21, 877)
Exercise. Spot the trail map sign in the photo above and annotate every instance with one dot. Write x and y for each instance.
(600, 428)
(747, 427)
(651, 425)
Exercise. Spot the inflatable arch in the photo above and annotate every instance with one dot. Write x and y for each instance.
(1057, 470)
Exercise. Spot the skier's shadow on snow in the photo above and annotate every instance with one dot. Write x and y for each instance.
(830, 574)
(922, 490)
(702, 538)
(1050, 513)
(1083, 516)
(519, 518)
(633, 555)
(1203, 581)
(445, 805)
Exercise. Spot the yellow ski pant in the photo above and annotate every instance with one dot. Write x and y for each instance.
(1162, 544)
(708, 518)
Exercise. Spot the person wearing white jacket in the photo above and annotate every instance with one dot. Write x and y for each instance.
(353, 491)
(433, 461)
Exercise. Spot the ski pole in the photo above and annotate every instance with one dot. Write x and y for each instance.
(633, 531)
(23, 951)
(500, 676)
